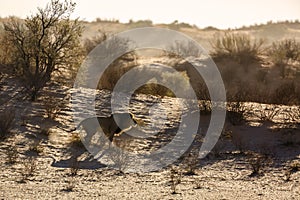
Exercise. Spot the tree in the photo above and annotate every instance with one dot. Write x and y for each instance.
(46, 42)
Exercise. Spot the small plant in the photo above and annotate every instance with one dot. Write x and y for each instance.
(29, 167)
(175, 179)
(7, 118)
(11, 154)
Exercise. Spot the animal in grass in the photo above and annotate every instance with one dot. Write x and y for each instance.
(115, 124)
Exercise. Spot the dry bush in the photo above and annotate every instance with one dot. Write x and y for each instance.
(175, 179)
(91, 43)
(7, 118)
(140, 23)
(238, 47)
(155, 86)
(284, 53)
(112, 47)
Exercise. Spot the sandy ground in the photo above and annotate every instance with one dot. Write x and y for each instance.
(226, 173)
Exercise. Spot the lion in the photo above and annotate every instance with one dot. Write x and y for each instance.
(115, 124)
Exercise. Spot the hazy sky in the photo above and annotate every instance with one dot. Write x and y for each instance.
(218, 13)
